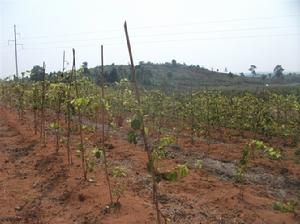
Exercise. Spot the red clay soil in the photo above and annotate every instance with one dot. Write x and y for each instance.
(38, 186)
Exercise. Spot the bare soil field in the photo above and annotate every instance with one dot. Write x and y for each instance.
(38, 186)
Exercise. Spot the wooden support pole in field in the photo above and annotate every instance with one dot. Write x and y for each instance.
(103, 133)
(102, 94)
(208, 123)
(35, 107)
(81, 146)
(58, 125)
(136, 90)
(144, 136)
(70, 79)
(43, 131)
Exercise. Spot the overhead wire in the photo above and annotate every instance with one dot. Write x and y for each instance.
(163, 25)
(168, 34)
(170, 40)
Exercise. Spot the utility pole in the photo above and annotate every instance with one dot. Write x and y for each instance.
(16, 50)
(63, 61)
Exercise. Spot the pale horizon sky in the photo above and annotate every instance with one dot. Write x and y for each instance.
(209, 33)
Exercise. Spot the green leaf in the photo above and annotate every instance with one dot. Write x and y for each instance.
(198, 164)
(119, 171)
(170, 176)
(98, 153)
(131, 137)
(164, 142)
(182, 170)
(80, 102)
(54, 125)
(146, 130)
(136, 123)
(289, 206)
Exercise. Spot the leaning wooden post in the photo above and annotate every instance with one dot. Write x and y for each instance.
(144, 136)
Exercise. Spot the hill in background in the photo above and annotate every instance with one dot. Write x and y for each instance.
(179, 76)
(183, 76)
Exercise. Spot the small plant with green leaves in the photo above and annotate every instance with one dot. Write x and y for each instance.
(54, 125)
(18, 90)
(116, 188)
(118, 192)
(79, 103)
(248, 152)
(243, 164)
(34, 98)
(119, 171)
(260, 146)
(288, 207)
(57, 95)
(182, 170)
(98, 153)
(135, 124)
(159, 153)
(198, 164)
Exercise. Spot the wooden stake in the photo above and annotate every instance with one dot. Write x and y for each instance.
(43, 132)
(82, 149)
(146, 145)
(102, 121)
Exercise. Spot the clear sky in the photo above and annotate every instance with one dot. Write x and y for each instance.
(211, 33)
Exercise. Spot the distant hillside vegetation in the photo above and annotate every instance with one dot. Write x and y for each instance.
(180, 76)
(183, 76)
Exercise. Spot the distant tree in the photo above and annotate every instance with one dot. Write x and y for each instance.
(106, 77)
(252, 70)
(122, 73)
(278, 72)
(230, 74)
(15, 78)
(143, 75)
(264, 77)
(225, 70)
(173, 62)
(113, 76)
(170, 75)
(242, 74)
(84, 66)
(36, 73)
